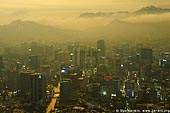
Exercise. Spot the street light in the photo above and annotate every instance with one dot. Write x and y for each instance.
(71, 60)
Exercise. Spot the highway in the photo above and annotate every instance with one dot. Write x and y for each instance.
(53, 100)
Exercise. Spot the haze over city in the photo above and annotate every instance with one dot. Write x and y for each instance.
(137, 20)
(65, 13)
(88, 56)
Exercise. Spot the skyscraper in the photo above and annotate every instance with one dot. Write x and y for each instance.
(65, 90)
(38, 87)
(101, 47)
(93, 54)
(13, 80)
(33, 62)
(25, 85)
(79, 56)
(33, 86)
(146, 56)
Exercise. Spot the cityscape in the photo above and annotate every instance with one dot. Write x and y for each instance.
(43, 77)
(83, 56)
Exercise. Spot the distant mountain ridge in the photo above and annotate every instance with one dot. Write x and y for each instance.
(18, 29)
(101, 14)
(125, 31)
(152, 10)
(144, 10)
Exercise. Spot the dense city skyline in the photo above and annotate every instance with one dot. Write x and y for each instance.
(74, 76)
(71, 56)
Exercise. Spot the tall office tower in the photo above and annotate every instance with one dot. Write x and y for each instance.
(65, 90)
(101, 47)
(32, 86)
(33, 62)
(13, 80)
(38, 87)
(91, 59)
(79, 56)
(25, 85)
(146, 56)
(94, 55)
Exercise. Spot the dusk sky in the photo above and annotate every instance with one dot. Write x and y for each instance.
(56, 12)
(81, 5)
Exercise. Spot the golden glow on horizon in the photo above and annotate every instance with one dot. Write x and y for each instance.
(64, 12)
(84, 4)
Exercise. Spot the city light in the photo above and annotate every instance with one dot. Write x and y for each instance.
(104, 93)
(84, 56)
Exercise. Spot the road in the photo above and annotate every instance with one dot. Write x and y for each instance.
(53, 100)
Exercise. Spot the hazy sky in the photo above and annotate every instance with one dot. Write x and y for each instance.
(83, 5)
(57, 11)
